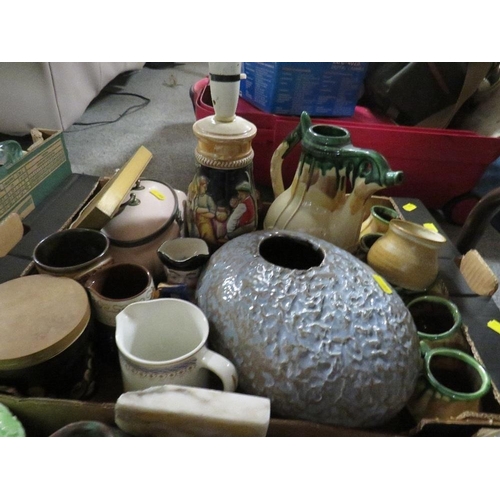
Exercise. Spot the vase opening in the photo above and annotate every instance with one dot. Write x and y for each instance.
(417, 232)
(329, 131)
(289, 252)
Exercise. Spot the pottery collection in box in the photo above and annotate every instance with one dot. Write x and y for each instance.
(322, 311)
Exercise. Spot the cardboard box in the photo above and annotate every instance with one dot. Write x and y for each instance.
(26, 183)
(42, 189)
(50, 215)
(288, 88)
(78, 200)
(43, 416)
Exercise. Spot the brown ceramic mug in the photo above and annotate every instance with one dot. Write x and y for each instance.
(73, 253)
(114, 287)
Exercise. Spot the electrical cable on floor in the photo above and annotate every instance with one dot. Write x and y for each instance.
(131, 109)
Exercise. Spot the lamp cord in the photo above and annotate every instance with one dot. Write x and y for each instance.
(131, 109)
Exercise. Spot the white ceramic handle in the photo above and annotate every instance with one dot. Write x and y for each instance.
(222, 367)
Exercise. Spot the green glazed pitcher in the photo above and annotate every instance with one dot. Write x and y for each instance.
(318, 202)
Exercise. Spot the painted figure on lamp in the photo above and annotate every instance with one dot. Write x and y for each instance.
(222, 213)
(203, 210)
(234, 213)
(242, 219)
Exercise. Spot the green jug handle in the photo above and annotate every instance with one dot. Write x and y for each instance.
(425, 349)
(290, 141)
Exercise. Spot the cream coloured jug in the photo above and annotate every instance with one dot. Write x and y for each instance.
(318, 202)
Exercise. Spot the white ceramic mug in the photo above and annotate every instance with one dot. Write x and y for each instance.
(163, 341)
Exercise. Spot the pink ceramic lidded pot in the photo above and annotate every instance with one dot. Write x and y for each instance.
(153, 213)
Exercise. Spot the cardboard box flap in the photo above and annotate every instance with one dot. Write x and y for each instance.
(11, 233)
(481, 317)
(107, 202)
(466, 424)
(43, 416)
(478, 274)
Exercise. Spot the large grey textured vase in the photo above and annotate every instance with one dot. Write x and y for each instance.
(308, 326)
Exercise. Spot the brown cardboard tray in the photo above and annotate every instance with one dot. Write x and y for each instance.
(43, 416)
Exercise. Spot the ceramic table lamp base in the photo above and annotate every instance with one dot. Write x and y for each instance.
(222, 200)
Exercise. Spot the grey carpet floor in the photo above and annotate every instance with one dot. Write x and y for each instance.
(164, 126)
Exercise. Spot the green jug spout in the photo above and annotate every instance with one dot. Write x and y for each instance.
(393, 178)
(373, 167)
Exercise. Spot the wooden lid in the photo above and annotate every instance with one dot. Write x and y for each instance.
(40, 316)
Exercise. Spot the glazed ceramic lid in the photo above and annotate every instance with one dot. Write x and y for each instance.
(151, 209)
(237, 129)
(40, 316)
(224, 144)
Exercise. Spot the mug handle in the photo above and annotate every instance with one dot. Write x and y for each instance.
(222, 367)
(87, 272)
(425, 348)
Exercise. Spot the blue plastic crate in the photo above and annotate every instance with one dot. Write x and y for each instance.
(288, 88)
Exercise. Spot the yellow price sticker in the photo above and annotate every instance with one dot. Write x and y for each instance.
(382, 283)
(494, 325)
(431, 227)
(157, 194)
(409, 207)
